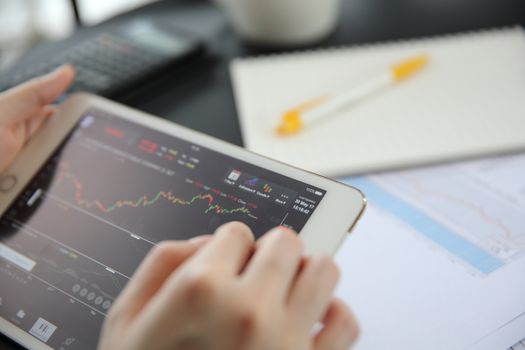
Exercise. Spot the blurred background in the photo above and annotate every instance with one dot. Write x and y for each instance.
(36, 35)
(197, 92)
(23, 23)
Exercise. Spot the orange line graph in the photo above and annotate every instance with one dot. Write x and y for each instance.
(481, 213)
(145, 201)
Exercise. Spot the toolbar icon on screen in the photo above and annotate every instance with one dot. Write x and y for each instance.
(251, 182)
(87, 122)
(234, 175)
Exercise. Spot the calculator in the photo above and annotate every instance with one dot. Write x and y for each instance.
(112, 62)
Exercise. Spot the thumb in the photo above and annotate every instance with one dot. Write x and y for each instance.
(26, 100)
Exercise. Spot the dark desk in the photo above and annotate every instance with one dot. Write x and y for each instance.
(201, 97)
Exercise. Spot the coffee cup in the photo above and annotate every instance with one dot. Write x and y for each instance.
(282, 22)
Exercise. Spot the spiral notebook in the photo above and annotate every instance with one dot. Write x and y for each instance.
(468, 102)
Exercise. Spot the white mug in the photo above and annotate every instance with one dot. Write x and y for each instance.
(283, 22)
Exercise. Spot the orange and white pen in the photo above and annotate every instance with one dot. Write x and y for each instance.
(299, 117)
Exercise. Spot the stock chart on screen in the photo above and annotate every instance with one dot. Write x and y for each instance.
(105, 197)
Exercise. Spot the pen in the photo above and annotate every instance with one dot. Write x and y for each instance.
(310, 111)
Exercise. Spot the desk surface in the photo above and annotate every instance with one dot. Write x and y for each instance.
(201, 98)
(206, 102)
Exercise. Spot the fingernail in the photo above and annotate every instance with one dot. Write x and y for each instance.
(64, 66)
(200, 239)
(58, 71)
(284, 229)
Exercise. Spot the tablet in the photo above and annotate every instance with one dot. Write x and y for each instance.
(101, 184)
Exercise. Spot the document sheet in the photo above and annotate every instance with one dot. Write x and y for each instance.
(438, 260)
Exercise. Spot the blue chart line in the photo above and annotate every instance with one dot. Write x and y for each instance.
(428, 227)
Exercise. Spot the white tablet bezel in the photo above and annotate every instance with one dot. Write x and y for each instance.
(334, 217)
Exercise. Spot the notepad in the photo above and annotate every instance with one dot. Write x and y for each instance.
(468, 102)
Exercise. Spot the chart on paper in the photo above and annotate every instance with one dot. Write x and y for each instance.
(473, 211)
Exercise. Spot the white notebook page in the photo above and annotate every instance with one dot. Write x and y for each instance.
(469, 101)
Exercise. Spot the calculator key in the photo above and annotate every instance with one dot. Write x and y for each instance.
(104, 63)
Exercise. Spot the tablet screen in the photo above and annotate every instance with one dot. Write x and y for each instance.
(107, 195)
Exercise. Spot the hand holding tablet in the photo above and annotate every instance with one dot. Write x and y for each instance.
(102, 185)
(24, 109)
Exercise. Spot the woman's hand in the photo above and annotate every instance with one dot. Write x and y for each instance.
(231, 294)
(24, 108)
